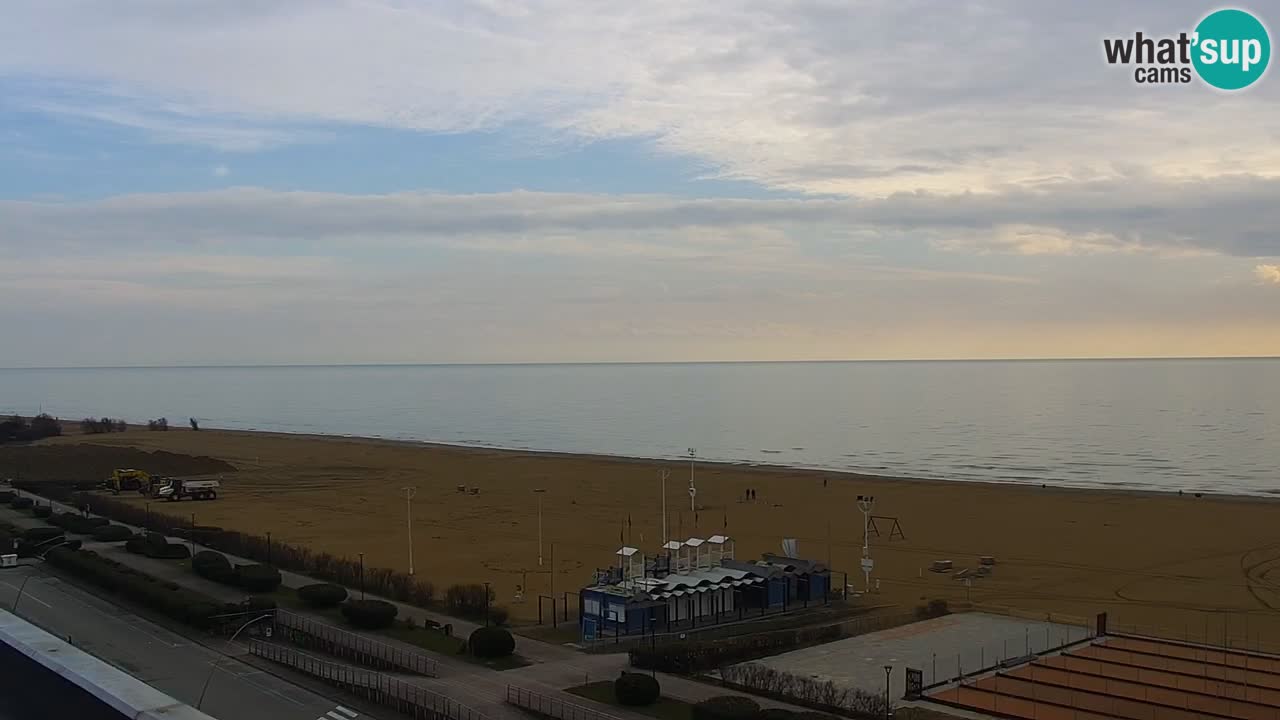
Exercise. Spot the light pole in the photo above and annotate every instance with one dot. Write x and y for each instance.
(361, 576)
(693, 491)
(23, 586)
(214, 666)
(663, 475)
(486, 605)
(268, 547)
(540, 492)
(888, 670)
(409, 492)
(865, 504)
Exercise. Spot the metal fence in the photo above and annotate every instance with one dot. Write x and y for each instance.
(553, 707)
(1224, 633)
(314, 635)
(412, 700)
(986, 656)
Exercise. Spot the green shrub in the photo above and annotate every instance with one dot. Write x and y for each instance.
(322, 595)
(21, 503)
(170, 551)
(468, 600)
(636, 689)
(491, 642)
(213, 566)
(136, 545)
(369, 614)
(6, 496)
(112, 533)
(726, 707)
(166, 597)
(40, 534)
(42, 511)
(256, 603)
(257, 578)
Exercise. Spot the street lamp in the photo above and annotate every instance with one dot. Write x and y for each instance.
(214, 666)
(23, 586)
(409, 492)
(693, 491)
(361, 576)
(540, 492)
(486, 605)
(888, 670)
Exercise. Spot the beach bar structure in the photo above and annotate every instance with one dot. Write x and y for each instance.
(691, 584)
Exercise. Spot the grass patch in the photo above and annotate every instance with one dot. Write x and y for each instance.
(665, 708)
(566, 633)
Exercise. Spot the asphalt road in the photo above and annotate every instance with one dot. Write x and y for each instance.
(169, 662)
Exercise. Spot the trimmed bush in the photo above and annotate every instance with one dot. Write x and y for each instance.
(40, 534)
(256, 603)
(42, 511)
(21, 503)
(112, 533)
(166, 597)
(636, 689)
(491, 642)
(155, 545)
(726, 707)
(369, 614)
(6, 496)
(213, 566)
(136, 545)
(257, 578)
(322, 595)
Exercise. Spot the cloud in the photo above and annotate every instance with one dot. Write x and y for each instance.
(221, 171)
(1268, 273)
(1233, 216)
(941, 97)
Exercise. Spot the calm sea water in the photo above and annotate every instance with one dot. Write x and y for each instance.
(1211, 425)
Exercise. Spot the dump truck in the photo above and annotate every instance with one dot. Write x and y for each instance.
(175, 489)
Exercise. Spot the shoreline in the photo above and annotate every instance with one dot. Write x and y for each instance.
(750, 467)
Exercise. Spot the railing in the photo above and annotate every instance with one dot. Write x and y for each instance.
(412, 700)
(1216, 633)
(983, 657)
(553, 707)
(314, 635)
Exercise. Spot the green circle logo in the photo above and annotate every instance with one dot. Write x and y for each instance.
(1232, 49)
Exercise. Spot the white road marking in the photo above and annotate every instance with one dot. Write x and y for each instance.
(335, 716)
(27, 594)
(347, 711)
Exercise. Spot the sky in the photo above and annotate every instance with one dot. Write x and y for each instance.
(369, 181)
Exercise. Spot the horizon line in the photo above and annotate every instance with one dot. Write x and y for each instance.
(1129, 358)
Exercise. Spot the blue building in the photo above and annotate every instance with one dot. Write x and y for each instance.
(695, 583)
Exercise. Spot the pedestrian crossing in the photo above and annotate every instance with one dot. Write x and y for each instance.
(339, 713)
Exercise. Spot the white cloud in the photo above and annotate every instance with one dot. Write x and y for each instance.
(810, 95)
(221, 171)
(1268, 273)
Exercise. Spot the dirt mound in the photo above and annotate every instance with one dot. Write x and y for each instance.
(93, 463)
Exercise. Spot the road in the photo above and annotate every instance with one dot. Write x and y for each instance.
(169, 662)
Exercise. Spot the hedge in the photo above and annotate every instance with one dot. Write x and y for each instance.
(322, 595)
(40, 534)
(78, 524)
(369, 614)
(257, 578)
(112, 533)
(636, 689)
(21, 503)
(166, 597)
(6, 496)
(491, 642)
(42, 511)
(213, 566)
(726, 707)
(155, 545)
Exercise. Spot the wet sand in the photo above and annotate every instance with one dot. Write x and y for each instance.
(1189, 565)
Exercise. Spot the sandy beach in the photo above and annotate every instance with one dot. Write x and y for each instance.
(1185, 564)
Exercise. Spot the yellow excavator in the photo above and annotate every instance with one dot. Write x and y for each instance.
(130, 479)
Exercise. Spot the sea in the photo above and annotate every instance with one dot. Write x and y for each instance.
(1204, 425)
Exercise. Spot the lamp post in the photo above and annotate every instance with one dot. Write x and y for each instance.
(693, 491)
(17, 599)
(486, 605)
(540, 492)
(866, 503)
(409, 492)
(214, 666)
(888, 670)
(361, 576)
(268, 547)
